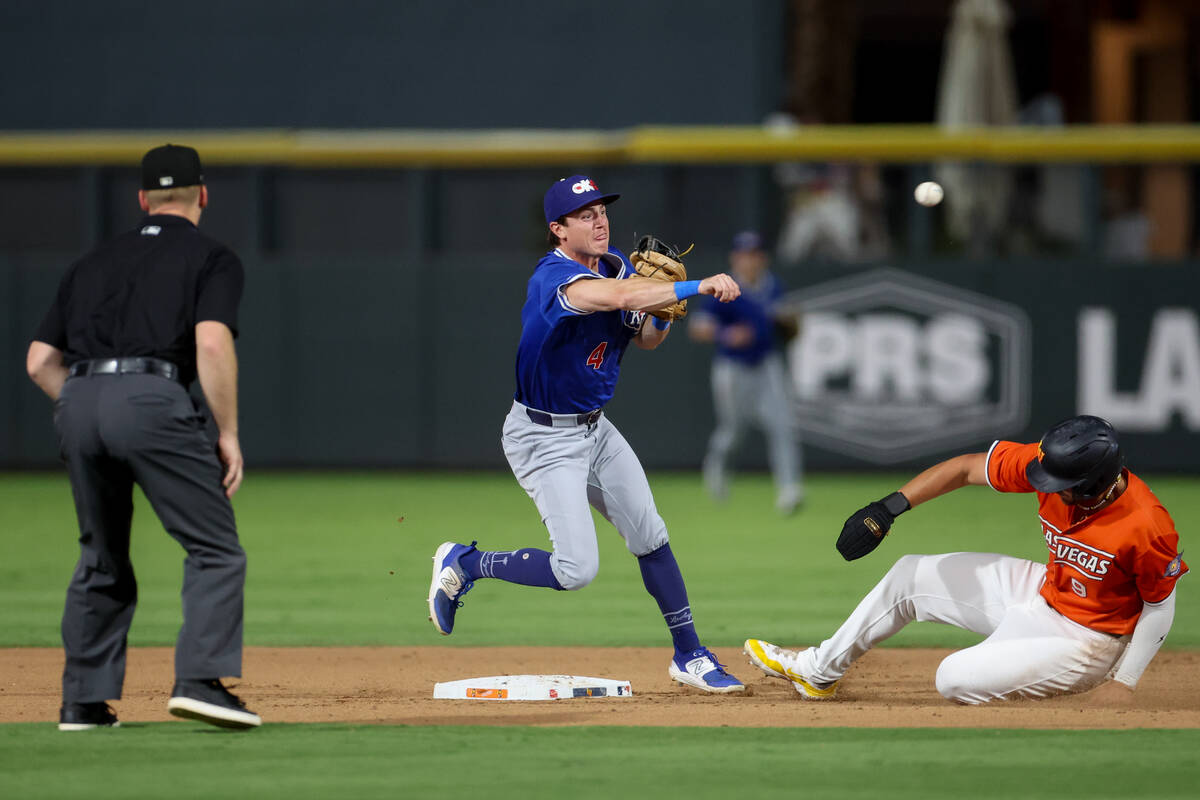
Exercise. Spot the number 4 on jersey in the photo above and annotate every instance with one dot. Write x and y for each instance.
(597, 357)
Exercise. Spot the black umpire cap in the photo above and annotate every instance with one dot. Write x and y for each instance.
(170, 166)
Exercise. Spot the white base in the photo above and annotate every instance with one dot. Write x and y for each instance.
(530, 687)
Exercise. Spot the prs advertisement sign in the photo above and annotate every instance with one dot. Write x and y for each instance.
(889, 367)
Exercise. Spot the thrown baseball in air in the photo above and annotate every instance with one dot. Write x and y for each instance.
(929, 193)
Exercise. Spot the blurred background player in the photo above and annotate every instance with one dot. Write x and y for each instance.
(583, 307)
(749, 380)
(1099, 609)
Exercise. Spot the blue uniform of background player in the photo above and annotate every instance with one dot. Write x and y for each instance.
(584, 306)
(749, 380)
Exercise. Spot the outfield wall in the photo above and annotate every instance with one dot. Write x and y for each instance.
(386, 270)
(407, 361)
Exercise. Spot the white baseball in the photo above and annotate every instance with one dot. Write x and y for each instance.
(929, 193)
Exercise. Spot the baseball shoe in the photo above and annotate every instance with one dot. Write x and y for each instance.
(85, 716)
(701, 670)
(780, 663)
(209, 701)
(449, 584)
(789, 502)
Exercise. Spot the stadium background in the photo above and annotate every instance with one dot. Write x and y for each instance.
(388, 256)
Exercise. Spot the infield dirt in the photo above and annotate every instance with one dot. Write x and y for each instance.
(394, 685)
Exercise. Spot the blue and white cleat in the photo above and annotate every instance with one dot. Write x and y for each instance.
(701, 670)
(448, 585)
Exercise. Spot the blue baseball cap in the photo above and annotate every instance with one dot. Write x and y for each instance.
(571, 194)
(747, 240)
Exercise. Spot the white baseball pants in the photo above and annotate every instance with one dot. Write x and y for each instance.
(1030, 651)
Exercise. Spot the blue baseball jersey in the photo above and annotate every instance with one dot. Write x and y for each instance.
(754, 307)
(569, 359)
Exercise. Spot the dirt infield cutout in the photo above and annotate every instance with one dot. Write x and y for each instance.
(394, 685)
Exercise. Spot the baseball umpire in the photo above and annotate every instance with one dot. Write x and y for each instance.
(585, 303)
(1093, 616)
(134, 322)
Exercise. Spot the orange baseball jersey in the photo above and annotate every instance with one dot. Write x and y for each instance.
(1102, 566)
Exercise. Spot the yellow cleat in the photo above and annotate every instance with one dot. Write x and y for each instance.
(781, 663)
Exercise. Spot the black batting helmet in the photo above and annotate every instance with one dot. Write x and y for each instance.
(1081, 454)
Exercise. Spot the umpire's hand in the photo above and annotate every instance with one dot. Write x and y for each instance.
(866, 527)
(230, 453)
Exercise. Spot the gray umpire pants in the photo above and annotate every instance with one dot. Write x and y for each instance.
(114, 431)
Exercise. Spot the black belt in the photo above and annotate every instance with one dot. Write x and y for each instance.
(563, 420)
(140, 365)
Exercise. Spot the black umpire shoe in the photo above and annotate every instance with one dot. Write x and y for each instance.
(85, 716)
(209, 701)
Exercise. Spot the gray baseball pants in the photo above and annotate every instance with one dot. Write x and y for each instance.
(758, 394)
(564, 470)
(114, 431)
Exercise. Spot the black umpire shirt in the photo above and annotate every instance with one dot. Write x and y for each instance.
(142, 293)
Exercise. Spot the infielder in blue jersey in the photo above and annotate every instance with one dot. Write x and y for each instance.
(749, 381)
(584, 306)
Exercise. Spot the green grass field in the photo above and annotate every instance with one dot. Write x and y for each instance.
(330, 564)
(167, 760)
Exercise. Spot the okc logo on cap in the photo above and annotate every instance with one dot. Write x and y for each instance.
(571, 194)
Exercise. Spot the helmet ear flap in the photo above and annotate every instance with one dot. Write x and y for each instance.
(1104, 474)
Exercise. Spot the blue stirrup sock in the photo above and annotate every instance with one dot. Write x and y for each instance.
(664, 582)
(528, 567)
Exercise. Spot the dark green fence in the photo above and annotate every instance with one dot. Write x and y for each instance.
(408, 361)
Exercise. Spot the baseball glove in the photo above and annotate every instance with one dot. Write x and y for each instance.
(866, 527)
(655, 259)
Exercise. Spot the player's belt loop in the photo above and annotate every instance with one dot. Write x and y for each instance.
(590, 418)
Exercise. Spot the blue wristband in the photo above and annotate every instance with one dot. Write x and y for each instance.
(660, 324)
(686, 289)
